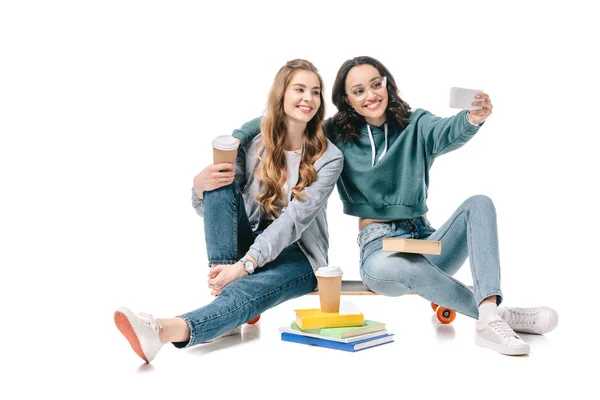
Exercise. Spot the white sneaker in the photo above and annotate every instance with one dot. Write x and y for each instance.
(538, 320)
(141, 330)
(234, 331)
(499, 336)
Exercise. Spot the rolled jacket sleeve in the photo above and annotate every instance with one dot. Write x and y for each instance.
(197, 203)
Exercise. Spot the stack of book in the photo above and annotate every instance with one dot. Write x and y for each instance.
(348, 332)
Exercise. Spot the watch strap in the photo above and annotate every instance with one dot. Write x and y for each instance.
(244, 261)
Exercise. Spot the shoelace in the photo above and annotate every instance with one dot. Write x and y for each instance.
(503, 328)
(523, 316)
(150, 321)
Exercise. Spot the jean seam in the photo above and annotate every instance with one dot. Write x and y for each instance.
(474, 269)
(469, 244)
(251, 300)
(235, 225)
(403, 284)
(457, 215)
(222, 262)
(383, 280)
(278, 289)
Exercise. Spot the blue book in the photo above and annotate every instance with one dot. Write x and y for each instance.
(352, 347)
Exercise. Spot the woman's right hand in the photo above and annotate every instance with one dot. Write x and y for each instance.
(213, 177)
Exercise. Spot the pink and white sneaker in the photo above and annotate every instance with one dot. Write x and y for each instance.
(496, 334)
(537, 320)
(141, 330)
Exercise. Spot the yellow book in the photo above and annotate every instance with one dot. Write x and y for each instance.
(314, 318)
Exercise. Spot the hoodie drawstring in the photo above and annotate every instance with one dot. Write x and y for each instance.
(373, 150)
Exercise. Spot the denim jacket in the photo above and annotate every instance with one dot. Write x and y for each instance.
(304, 221)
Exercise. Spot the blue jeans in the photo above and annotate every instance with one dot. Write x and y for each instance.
(471, 231)
(228, 237)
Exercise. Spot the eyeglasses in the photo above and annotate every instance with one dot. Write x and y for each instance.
(377, 85)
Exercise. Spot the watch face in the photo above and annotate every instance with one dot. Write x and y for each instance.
(249, 267)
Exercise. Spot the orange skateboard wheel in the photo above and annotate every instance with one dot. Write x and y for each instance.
(254, 320)
(445, 315)
(434, 306)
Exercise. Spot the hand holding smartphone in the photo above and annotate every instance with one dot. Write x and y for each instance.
(463, 98)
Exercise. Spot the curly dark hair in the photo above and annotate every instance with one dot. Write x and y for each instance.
(347, 120)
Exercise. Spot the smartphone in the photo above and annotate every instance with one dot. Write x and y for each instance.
(463, 98)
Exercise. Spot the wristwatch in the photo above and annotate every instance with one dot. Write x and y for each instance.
(248, 265)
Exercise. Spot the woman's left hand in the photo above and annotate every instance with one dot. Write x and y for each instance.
(222, 275)
(478, 116)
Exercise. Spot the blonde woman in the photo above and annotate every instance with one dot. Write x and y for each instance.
(264, 248)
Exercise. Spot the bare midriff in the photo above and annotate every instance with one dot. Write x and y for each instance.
(362, 222)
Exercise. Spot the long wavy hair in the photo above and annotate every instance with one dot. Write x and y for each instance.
(347, 120)
(272, 172)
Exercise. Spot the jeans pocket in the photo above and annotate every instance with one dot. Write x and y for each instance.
(370, 235)
(370, 248)
(372, 232)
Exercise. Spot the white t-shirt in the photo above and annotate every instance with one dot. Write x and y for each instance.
(293, 159)
(292, 172)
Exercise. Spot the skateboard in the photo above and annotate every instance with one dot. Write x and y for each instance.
(357, 288)
(351, 288)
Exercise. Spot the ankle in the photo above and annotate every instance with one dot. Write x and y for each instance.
(174, 330)
(162, 335)
(487, 310)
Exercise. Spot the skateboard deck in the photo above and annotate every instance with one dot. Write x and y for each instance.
(357, 288)
(352, 288)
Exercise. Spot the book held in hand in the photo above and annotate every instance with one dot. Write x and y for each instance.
(417, 246)
(331, 344)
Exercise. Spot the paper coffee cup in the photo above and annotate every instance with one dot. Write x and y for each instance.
(224, 149)
(330, 288)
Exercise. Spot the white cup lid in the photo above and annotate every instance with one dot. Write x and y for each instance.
(225, 142)
(329, 271)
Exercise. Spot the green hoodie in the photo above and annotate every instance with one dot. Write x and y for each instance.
(389, 180)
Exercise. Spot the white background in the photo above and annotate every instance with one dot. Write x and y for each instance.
(107, 110)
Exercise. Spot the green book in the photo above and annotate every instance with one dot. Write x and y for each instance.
(345, 332)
